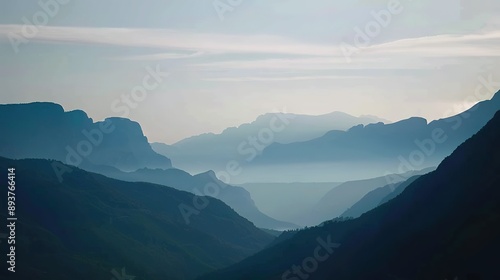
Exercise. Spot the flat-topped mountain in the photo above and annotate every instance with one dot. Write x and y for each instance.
(45, 130)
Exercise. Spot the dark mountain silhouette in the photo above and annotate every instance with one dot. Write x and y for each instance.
(88, 225)
(398, 189)
(202, 184)
(44, 130)
(445, 225)
(335, 202)
(385, 144)
(210, 151)
(377, 197)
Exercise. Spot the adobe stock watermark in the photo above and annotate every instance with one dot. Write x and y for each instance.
(30, 29)
(372, 29)
(251, 147)
(225, 6)
(485, 90)
(94, 137)
(122, 275)
(310, 264)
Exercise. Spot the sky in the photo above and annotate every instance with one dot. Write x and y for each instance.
(186, 67)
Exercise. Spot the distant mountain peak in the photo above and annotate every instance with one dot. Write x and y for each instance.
(337, 113)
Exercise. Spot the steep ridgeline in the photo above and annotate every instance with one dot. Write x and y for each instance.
(211, 151)
(341, 198)
(44, 130)
(92, 227)
(377, 197)
(202, 184)
(445, 225)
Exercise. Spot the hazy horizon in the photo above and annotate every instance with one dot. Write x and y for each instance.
(225, 68)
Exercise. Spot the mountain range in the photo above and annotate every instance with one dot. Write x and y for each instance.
(115, 147)
(360, 151)
(213, 151)
(363, 151)
(444, 225)
(89, 226)
(98, 201)
(201, 184)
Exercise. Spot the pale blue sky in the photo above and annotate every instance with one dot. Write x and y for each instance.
(263, 55)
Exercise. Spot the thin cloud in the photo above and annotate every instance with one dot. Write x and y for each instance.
(279, 79)
(159, 56)
(171, 40)
(443, 45)
(401, 54)
(320, 56)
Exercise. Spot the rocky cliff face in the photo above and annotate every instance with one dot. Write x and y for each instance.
(45, 130)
